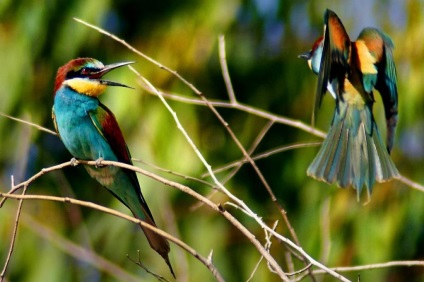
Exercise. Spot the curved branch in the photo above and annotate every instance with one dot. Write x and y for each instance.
(404, 263)
(207, 262)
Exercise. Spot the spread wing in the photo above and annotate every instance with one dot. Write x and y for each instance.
(334, 60)
(381, 47)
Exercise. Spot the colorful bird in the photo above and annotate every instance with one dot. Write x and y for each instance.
(353, 153)
(90, 131)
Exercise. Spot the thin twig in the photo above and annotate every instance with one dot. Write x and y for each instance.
(252, 148)
(35, 176)
(265, 155)
(237, 167)
(411, 183)
(403, 263)
(30, 123)
(407, 263)
(288, 255)
(225, 72)
(124, 43)
(268, 244)
(244, 108)
(139, 263)
(15, 232)
(78, 252)
(299, 271)
(186, 177)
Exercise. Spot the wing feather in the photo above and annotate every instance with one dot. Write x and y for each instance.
(381, 47)
(106, 124)
(334, 60)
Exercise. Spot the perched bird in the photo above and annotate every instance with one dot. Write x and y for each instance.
(90, 131)
(353, 153)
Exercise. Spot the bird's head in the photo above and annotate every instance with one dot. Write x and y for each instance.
(84, 75)
(314, 55)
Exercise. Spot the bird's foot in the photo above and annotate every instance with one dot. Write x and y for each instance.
(74, 162)
(99, 162)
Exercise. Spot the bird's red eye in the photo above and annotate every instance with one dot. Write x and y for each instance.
(84, 71)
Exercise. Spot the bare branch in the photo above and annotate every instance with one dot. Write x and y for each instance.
(76, 251)
(186, 177)
(15, 231)
(411, 183)
(35, 176)
(407, 263)
(243, 108)
(139, 263)
(225, 72)
(265, 155)
(30, 123)
(252, 148)
(121, 215)
(156, 63)
(268, 244)
(404, 263)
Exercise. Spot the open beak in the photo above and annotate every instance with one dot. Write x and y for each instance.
(306, 55)
(105, 70)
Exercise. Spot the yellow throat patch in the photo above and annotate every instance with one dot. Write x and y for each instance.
(88, 87)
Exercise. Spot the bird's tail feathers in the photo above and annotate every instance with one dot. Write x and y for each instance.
(353, 153)
(156, 241)
(126, 189)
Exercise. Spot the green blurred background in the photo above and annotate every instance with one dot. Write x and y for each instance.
(263, 39)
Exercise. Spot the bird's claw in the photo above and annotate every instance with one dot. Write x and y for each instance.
(99, 162)
(74, 162)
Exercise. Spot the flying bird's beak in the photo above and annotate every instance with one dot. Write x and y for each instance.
(306, 55)
(98, 75)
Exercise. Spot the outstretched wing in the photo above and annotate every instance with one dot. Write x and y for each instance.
(381, 47)
(334, 60)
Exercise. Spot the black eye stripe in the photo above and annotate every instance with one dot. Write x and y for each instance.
(83, 72)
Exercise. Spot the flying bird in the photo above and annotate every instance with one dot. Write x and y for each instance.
(353, 153)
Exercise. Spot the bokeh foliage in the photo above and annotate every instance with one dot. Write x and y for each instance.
(263, 39)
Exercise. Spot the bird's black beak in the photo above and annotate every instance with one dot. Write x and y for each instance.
(306, 55)
(99, 74)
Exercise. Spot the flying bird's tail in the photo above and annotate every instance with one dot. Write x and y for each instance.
(353, 153)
